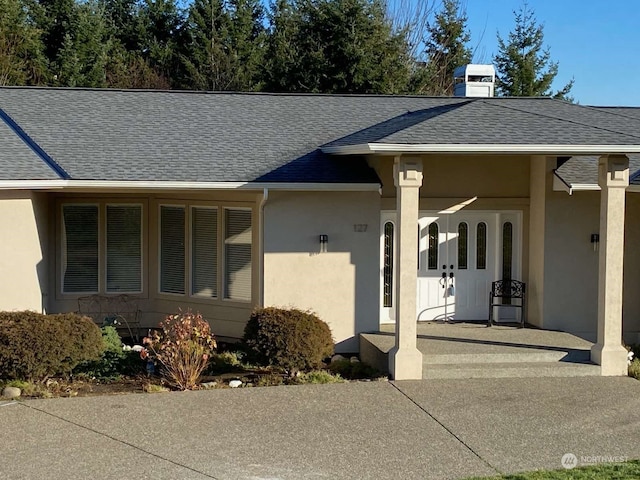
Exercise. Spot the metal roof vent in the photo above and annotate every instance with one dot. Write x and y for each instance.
(474, 81)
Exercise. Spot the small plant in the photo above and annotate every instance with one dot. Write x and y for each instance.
(114, 361)
(34, 346)
(354, 370)
(154, 388)
(320, 376)
(270, 380)
(291, 339)
(634, 369)
(182, 346)
(225, 362)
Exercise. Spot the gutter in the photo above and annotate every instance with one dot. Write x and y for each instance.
(265, 197)
(531, 149)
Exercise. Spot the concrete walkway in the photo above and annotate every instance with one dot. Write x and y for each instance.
(438, 429)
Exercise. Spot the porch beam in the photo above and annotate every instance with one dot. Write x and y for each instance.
(405, 360)
(608, 352)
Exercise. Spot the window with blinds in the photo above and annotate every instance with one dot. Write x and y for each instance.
(80, 248)
(124, 248)
(204, 252)
(172, 249)
(237, 254)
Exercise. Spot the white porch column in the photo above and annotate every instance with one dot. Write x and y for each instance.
(608, 352)
(405, 360)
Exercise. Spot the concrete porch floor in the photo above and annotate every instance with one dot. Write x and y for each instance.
(472, 350)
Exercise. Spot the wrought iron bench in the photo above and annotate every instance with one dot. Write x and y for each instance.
(504, 293)
(120, 311)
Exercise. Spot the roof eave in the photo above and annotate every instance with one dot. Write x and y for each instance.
(172, 185)
(524, 149)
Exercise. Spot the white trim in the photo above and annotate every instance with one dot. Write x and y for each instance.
(559, 185)
(142, 185)
(538, 149)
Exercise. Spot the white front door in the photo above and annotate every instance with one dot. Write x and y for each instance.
(459, 255)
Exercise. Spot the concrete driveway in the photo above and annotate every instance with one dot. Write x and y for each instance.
(438, 429)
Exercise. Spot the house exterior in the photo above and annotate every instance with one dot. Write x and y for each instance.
(353, 206)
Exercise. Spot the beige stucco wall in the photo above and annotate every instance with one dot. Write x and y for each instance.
(571, 264)
(341, 285)
(23, 256)
(451, 176)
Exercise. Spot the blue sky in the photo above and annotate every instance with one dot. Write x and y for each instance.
(596, 42)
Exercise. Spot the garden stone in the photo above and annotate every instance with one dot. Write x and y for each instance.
(355, 360)
(209, 384)
(337, 358)
(11, 392)
(235, 383)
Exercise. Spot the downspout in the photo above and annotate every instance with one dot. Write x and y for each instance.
(265, 197)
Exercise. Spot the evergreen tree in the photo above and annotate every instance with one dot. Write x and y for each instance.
(158, 28)
(446, 49)
(206, 63)
(340, 46)
(523, 64)
(281, 55)
(82, 60)
(22, 60)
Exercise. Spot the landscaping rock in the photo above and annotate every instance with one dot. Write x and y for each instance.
(137, 348)
(355, 360)
(209, 384)
(337, 358)
(11, 392)
(235, 383)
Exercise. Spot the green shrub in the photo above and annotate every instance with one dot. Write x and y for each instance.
(114, 362)
(182, 347)
(354, 370)
(34, 346)
(288, 338)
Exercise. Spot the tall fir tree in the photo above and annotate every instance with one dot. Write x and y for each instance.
(341, 46)
(523, 64)
(446, 49)
(22, 59)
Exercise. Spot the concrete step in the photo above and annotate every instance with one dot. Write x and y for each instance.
(510, 370)
(511, 355)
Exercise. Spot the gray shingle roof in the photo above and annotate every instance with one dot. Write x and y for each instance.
(581, 170)
(231, 137)
(18, 161)
(517, 121)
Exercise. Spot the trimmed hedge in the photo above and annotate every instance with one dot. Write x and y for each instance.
(34, 346)
(288, 338)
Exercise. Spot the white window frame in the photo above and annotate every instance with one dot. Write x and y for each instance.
(221, 208)
(101, 205)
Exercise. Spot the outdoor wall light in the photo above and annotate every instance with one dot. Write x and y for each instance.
(324, 240)
(595, 241)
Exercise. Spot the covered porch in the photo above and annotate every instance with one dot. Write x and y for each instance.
(406, 359)
(472, 350)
